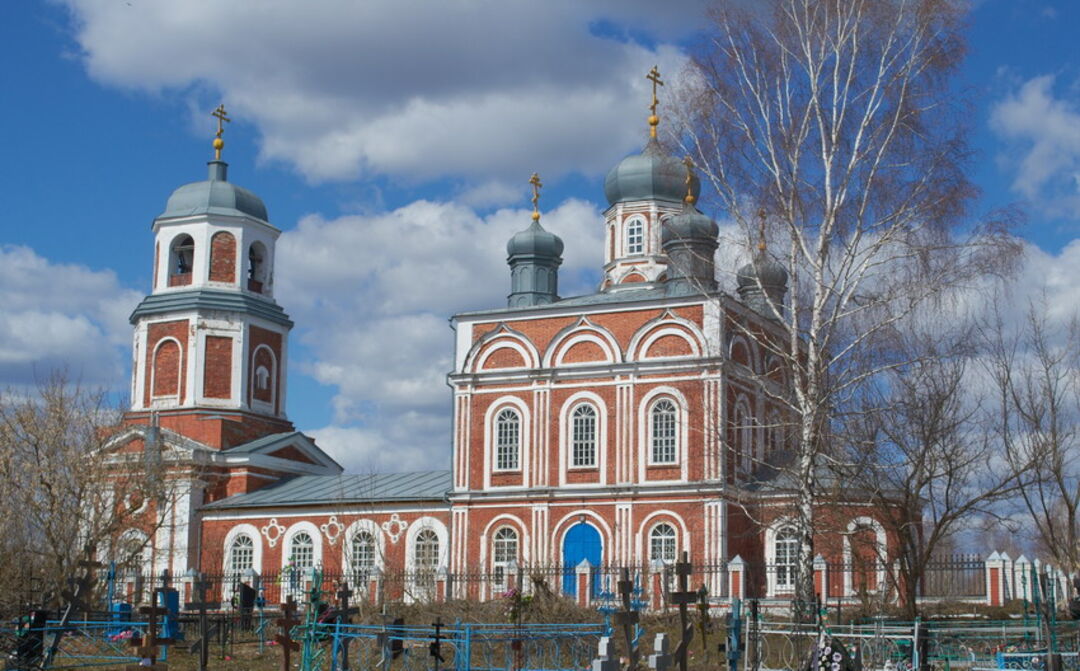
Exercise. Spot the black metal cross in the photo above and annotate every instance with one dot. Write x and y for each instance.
(683, 598)
(628, 618)
(435, 649)
(344, 616)
(205, 630)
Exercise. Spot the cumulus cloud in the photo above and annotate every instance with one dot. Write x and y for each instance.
(371, 296)
(56, 316)
(1042, 131)
(403, 87)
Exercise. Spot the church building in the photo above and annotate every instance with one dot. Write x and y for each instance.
(617, 428)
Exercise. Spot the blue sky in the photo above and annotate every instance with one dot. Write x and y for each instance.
(394, 154)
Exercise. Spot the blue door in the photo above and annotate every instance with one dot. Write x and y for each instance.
(582, 541)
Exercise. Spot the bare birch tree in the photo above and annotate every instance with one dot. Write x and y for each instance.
(923, 456)
(1036, 371)
(836, 118)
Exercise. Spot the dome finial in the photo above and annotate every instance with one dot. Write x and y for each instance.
(219, 113)
(536, 184)
(690, 198)
(654, 77)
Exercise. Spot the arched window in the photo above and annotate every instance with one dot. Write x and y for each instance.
(181, 260)
(786, 552)
(664, 435)
(583, 436)
(504, 551)
(241, 554)
(256, 267)
(426, 550)
(507, 440)
(662, 544)
(362, 556)
(302, 551)
(635, 236)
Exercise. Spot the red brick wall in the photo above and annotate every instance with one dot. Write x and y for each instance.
(504, 357)
(172, 359)
(223, 257)
(217, 371)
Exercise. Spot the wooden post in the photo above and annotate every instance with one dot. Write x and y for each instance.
(284, 639)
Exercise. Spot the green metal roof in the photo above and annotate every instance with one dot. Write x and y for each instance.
(211, 299)
(306, 490)
(215, 195)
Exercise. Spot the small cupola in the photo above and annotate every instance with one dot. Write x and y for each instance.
(689, 242)
(763, 281)
(534, 255)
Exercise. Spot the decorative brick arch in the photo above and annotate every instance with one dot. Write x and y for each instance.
(665, 326)
(252, 532)
(580, 332)
(263, 359)
(644, 412)
(366, 526)
(661, 517)
(524, 433)
(496, 523)
(167, 369)
(597, 521)
(499, 338)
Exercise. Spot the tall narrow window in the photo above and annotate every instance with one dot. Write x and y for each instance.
(583, 436)
(181, 260)
(362, 559)
(504, 551)
(426, 550)
(665, 433)
(635, 236)
(256, 267)
(241, 554)
(302, 551)
(744, 440)
(662, 544)
(507, 440)
(787, 555)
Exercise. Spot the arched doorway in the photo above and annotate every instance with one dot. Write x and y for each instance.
(582, 541)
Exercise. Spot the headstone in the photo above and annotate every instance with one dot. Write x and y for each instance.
(605, 659)
(660, 660)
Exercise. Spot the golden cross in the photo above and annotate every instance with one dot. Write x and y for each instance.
(221, 118)
(654, 77)
(536, 184)
(689, 162)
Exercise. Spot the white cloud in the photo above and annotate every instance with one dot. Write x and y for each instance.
(1043, 136)
(415, 89)
(55, 316)
(371, 296)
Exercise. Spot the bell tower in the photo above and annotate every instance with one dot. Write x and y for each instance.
(211, 344)
(643, 190)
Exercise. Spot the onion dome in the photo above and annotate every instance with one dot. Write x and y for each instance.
(689, 240)
(762, 281)
(650, 175)
(534, 256)
(535, 241)
(215, 195)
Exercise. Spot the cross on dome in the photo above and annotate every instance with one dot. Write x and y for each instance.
(221, 117)
(654, 77)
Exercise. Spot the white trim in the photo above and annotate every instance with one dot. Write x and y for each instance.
(356, 527)
(751, 352)
(666, 324)
(257, 404)
(771, 531)
(645, 238)
(576, 333)
(500, 331)
(158, 401)
(566, 438)
(415, 527)
(643, 540)
(568, 521)
(644, 411)
(524, 433)
(316, 542)
(251, 532)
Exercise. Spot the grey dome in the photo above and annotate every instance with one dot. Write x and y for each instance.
(650, 175)
(535, 241)
(214, 196)
(772, 274)
(690, 224)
